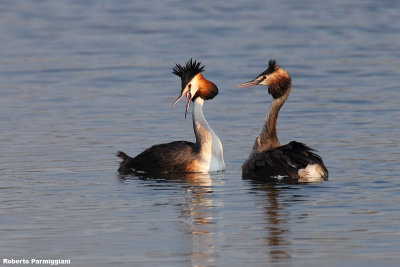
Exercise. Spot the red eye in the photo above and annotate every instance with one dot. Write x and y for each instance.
(264, 77)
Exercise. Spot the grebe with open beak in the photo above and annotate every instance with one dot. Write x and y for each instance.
(269, 160)
(206, 155)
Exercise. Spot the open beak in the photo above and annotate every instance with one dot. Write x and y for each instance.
(250, 83)
(188, 99)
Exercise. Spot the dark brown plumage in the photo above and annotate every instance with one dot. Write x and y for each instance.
(269, 160)
(164, 158)
(281, 162)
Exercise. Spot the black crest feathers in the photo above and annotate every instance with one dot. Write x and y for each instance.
(272, 66)
(191, 69)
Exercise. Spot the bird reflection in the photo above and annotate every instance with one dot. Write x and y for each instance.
(277, 219)
(197, 211)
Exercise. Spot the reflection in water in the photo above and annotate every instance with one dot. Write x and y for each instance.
(277, 220)
(199, 217)
(197, 211)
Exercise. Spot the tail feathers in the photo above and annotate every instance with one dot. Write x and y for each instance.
(122, 155)
(124, 165)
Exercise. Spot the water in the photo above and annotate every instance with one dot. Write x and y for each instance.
(81, 80)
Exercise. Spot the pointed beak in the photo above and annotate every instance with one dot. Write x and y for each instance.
(188, 95)
(250, 83)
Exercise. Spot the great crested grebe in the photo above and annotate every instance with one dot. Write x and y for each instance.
(269, 160)
(206, 155)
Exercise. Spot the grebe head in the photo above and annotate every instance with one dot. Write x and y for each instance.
(193, 83)
(277, 79)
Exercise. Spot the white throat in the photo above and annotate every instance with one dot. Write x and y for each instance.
(211, 152)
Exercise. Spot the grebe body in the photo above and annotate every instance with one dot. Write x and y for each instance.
(269, 160)
(206, 155)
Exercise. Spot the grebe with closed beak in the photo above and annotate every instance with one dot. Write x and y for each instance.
(269, 160)
(206, 155)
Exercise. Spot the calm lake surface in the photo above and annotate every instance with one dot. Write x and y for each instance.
(80, 80)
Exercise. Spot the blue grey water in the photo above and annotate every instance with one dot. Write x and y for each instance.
(80, 80)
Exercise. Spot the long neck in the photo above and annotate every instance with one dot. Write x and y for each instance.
(268, 137)
(203, 132)
(207, 142)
